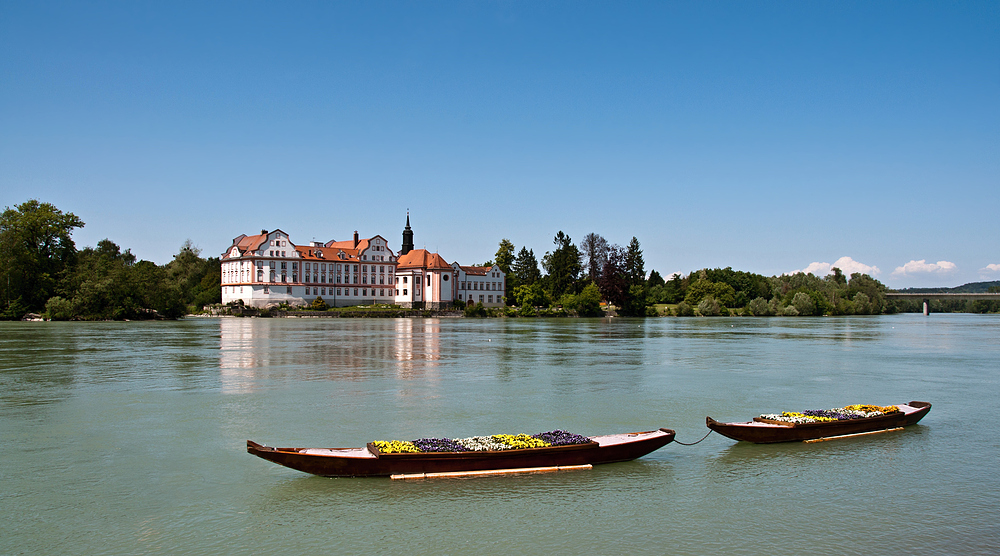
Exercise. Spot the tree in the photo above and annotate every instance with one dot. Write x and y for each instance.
(35, 247)
(505, 256)
(634, 265)
(525, 269)
(594, 249)
(655, 279)
(562, 265)
(588, 302)
(613, 281)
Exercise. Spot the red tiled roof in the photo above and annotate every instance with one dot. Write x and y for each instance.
(478, 270)
(422, 258)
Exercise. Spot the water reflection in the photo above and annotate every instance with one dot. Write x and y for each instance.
(37, 363)
(254, 351)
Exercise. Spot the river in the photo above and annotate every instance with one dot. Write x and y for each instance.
(129, 438)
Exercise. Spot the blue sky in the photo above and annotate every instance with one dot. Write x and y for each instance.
(766, 136)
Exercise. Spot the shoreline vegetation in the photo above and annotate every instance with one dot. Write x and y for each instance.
(45, 277)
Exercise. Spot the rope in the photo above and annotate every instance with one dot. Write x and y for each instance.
(692, 443)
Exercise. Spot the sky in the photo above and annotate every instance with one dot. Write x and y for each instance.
(766, 136)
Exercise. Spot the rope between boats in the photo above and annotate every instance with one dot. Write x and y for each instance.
(691, 443)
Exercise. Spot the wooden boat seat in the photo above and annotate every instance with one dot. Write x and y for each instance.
(339, 452)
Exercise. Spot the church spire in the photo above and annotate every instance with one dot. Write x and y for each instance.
(407, 236)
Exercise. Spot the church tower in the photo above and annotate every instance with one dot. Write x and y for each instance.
(407, 237)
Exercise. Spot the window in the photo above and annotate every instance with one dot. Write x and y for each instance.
(397, 292)
(338, 291)
(355, 268)
(295, 266)
(490, 299)
(322, 291)
(355, 292)
(381, 293)
(364, 292)
(289, 290)
(266, 290)
(480, 299)
(404, 279)
(404, 291)
(272, 264)
(445, 277)
(307, 266)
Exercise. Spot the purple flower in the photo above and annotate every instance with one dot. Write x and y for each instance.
(561, 438)
(438, 445)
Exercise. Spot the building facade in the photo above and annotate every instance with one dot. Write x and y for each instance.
(424, 280)
(480, 284)
(267, 269)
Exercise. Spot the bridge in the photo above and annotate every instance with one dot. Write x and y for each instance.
(927, 297)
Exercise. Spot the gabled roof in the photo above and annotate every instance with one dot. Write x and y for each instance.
(422, 258)
(476, 270)
(349, 245)
(246, 244)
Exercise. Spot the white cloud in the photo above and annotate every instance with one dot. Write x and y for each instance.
(914, 268)
(846, 264)
(990, 268)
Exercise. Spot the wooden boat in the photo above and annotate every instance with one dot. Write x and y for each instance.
(763, 431)
(370, 462)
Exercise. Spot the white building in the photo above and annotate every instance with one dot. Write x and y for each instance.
(424, 279)
(480, 284)
(268, 269)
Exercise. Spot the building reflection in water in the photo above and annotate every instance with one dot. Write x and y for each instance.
(417, 348)
(255, 350)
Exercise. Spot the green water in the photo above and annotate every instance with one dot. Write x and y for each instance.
(129, 438)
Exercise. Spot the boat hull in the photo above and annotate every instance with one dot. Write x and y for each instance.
(365, 462)
(767, 433)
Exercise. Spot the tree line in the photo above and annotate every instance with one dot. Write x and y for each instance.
(43, 272)
(576, 278)
(579, 278)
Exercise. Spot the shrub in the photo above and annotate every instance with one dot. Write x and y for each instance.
(862, 306)
(684, 310)
(318, 304)
(477, 310)
(804, 304)
(709, 307)
(57, 308)
(790, 311)
(759, 307)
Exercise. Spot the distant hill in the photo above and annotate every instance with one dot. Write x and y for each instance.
(971, 287)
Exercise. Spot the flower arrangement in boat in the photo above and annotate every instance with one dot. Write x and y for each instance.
(857, 411)
(481, 443)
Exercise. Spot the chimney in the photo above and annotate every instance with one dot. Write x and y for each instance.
(355, 239)
(263, 232)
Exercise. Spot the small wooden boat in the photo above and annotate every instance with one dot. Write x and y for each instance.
(764, 431)
(370, 462)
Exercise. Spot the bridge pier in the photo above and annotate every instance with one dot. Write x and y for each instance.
(927, 307)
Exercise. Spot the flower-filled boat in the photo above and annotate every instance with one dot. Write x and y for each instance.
(477, 453)
(813, 424)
